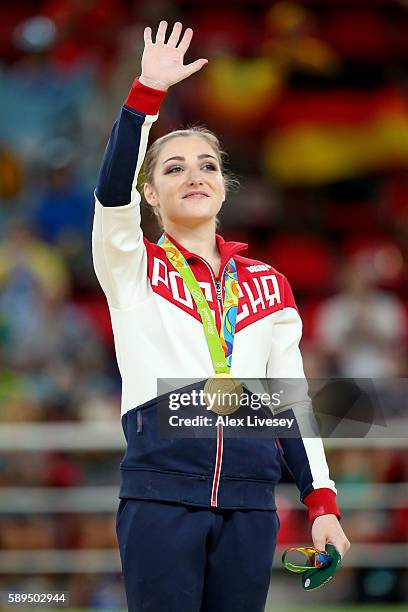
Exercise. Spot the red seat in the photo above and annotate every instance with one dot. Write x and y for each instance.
(305, 260)
(308, 310)
(97, 311)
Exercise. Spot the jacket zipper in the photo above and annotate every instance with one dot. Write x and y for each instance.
(218, 462)
(218, 289)
(217, 283)
(220, 436)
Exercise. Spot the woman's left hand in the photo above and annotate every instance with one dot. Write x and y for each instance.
(326, 529)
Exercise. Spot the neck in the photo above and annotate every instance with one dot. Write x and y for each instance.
(200, 239)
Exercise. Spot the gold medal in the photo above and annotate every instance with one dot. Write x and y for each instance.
(222, 393)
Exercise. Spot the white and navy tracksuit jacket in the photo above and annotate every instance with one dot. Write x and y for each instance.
(158, 334)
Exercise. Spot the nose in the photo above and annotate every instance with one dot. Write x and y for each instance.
(195, 177)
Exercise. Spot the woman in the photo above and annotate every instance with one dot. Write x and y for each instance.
(196, 523)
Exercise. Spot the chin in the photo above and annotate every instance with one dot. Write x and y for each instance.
(203, 211)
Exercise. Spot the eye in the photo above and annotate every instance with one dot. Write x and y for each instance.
(210, 166)
(173, 170)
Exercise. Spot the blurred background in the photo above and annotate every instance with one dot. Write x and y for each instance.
(310, 100)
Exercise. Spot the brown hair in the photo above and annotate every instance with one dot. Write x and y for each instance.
(231, 182)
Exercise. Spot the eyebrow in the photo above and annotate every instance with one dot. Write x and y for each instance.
(180, 158)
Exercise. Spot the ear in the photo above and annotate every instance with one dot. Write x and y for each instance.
(150, 194)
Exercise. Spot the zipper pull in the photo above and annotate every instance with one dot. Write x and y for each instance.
(139, 423)
(218, 289)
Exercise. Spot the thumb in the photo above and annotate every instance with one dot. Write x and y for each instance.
(194, 67)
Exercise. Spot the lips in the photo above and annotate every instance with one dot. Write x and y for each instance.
(196, 195)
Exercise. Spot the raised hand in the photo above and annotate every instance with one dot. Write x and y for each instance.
(162, 63)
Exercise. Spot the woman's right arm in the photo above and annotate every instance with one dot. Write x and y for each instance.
(119, 254)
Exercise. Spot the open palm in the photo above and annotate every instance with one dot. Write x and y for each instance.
(162, 63)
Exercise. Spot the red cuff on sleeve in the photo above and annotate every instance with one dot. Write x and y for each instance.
(145, 99)
(321, 501)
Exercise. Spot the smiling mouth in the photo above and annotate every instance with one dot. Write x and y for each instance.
(195, 196)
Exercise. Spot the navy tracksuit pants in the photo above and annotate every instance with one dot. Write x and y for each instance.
(178, 558)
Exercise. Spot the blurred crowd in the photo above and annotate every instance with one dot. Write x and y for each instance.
(310, 101)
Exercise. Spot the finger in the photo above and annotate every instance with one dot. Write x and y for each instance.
(341, 543)
(161, 32)
(195, 66)
(319, 542)
(343, 547)
(175, 35)
(148, 35)
(186, 40)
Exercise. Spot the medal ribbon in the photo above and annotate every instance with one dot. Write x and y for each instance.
(220, 345)
(312, 558)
